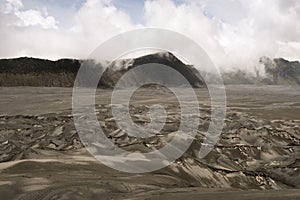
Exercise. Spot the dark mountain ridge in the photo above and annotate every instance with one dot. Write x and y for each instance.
(26, 65)
(26, 71)
(282, 71)
(156, 73)
(62, 73)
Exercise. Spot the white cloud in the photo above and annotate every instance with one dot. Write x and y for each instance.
(100, 19)
(25, 33)
(235, 33)
(35, 18)
(29, 17)
(188, 19)
(13, 5)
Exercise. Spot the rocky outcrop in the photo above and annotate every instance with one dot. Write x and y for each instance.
(277, 71)
(117, 68)
(280, 71)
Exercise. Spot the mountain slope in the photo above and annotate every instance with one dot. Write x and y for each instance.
(62, 73)
(281, 71)
(154, 72)
(38, 72)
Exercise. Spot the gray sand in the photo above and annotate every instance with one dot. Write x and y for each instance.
(257, 156)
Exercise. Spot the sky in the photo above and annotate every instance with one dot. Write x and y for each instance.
(234, 33)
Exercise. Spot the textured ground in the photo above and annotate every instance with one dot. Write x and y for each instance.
(257, 156)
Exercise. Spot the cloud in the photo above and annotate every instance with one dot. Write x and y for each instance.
(13, 6)
(188, 19)
(29, 17)
(234, 33)
(27, 34)
(101, 19)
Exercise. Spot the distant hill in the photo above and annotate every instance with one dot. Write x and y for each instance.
(155, 73)
(281, 71)
(278, 71)
(62, 73)
(38, 72)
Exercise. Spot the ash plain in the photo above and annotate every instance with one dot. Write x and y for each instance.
(257, 156)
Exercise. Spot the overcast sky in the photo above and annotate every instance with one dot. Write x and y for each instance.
(234, 33)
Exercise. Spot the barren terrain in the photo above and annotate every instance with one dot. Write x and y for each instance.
(257, 156)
